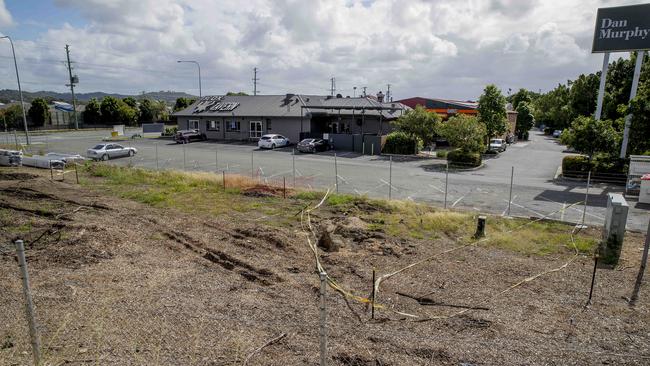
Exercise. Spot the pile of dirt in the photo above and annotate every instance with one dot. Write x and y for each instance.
(119, 282)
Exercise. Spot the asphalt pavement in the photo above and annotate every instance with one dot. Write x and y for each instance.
(487, 189)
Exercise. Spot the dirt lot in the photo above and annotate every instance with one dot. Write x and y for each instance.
(117, 281)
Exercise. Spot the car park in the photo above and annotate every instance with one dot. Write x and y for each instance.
(272, 141)
(110, 151)
(313, 145)
(557, 133)
(187, 136)
(498, 145)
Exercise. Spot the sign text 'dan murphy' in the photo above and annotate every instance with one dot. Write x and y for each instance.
(624, 28)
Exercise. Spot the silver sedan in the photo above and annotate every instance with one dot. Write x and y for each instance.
(110, 151)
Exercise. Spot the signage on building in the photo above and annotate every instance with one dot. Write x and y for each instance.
(622, 28)
(214, 104)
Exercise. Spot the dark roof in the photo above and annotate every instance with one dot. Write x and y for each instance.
(288, 105)
(436, 103)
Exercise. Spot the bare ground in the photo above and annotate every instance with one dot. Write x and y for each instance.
(119, 282)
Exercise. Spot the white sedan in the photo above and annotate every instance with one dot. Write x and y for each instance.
(110, 151)
(272, 141)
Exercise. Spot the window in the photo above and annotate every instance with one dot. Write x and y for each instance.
(268, 124)
(233, 126)
(213, 125)
(193, 124)
(256, 129)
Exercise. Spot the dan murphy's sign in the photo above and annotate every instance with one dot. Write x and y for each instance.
(623, 28)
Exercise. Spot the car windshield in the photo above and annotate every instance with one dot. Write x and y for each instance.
(98, 147)
(266, 138)
(307, 141)
(495, 141)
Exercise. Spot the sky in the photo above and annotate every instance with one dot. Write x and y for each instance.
(443, 49)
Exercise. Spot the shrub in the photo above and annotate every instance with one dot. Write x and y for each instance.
(575, 166)
(464, 159)
(401, 143)
(170, 131)
(442, 154)
(579, 166)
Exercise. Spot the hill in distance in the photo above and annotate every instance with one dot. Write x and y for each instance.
(169, 96)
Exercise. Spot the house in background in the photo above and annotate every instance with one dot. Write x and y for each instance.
(346, 122)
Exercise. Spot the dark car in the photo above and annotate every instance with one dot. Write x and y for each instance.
(186, 136)
(313, 145)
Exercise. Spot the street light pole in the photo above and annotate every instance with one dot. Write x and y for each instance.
(20, 90)
(199, 66)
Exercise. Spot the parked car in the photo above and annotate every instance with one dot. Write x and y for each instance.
(557, 133)
(497, 145)
(110, 151)
(272, 141)
(187, 136)
(313, 145)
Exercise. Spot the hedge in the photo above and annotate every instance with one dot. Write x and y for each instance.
(464, 159)
(601, 165)
(401, 143)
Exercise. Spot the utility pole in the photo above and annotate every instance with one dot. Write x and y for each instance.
(364, 91)
(255, 79)
(354, 91)
(333, 88)
(71, 85)
(388, 93)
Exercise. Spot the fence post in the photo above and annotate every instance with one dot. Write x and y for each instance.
(29, 305)
(336, 174)
(284, 187)
(584, 211)
(372, 303)
(51, 171)
(16, 139)
(76, 172)
(293, 162)
(252, 168)
(446, 182)
(156, 147)
(183, 154)
(223, 174)
(323, 320)
(216, 159)
(512, 176)
(644, 261)
(390, 177)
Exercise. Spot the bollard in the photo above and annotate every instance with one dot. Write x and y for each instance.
(336, 174)
(480, 227)
(446, 182)
(372, 149)
(363, 148)
(29, 304)
(323, 320)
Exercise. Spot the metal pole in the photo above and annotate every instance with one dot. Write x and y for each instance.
(216, 159)
(293, 161)
(512, 176)
(252, 166)
(323, 320)
(644, 262)
(156, 147)
(601, 87)
(363, 147)
(200, 92)
(593, 280)
(76, 172)
(20, 90)
(372, 149)
(29, 305)
(183, 155)
(584, 211)
(74, 102)
(223, 174)
(635, 85)
(372, 303)
(446, 182)
(284, 187)
(336, 174)
(390, 178)
(16, 139)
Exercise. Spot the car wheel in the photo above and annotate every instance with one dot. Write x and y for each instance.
(105, 157)
(272, 146)
(131, 153)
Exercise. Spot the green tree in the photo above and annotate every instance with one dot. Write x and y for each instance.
(182, 103)
(525, 119)
(419, 123)
(464, 132)
(552, 109)
(12, 116)
(39, 112)
(110, 110)
(639, 141)
(583, 95)
(589, 136)
(522, 95)
(127, 114)
(235, 93)
(92, 114)
(492, 111)
(131, 102)
(147, 112)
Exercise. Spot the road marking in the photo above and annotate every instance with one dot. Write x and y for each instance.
(278, 174)
(458, 200)
(298, 173)
(562, 211)
(343, 179)
(575, 208)
(436, 188)
(526, 208)
(510, 202)
(388, 184)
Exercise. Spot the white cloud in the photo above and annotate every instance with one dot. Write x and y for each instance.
(5, 16)
(439, 48)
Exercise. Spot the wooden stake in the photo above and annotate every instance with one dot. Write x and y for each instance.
(372, 299)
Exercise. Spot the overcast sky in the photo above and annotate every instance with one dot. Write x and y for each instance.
(445, 49)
